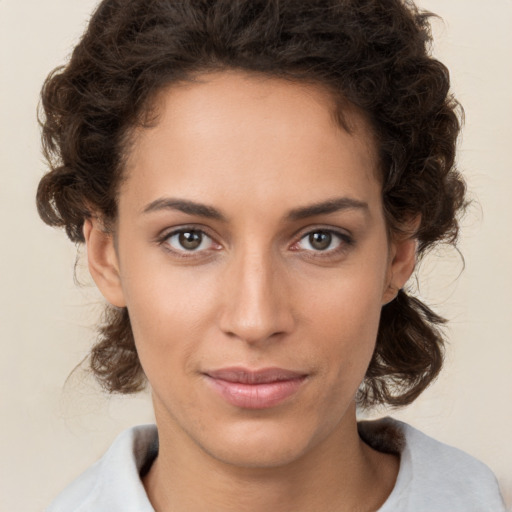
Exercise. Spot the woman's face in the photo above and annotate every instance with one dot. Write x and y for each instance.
(251, 252)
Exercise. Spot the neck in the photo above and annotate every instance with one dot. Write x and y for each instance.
(341, 473)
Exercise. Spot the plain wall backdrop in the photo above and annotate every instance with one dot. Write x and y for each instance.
(53, 427)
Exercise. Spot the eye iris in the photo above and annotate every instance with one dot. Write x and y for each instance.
(190, 239)
(320, 240)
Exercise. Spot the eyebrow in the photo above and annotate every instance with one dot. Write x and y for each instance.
(326, 207)
(185, 206)
(209, 212)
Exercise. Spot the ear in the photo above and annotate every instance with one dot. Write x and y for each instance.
(103, 261)
(402, 261)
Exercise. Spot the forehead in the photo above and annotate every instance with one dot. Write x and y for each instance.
(229, 132)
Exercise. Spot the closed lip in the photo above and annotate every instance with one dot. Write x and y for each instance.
(263, 388)
(242, 375)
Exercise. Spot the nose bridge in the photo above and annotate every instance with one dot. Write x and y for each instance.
(256, 306)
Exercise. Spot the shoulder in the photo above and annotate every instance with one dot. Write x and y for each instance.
(113, 483)
(435, 476)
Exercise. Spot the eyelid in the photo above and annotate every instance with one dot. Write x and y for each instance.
(166, 234)
(346, 239)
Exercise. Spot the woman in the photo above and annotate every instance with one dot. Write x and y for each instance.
(254, 181)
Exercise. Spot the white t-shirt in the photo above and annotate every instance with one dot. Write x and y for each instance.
(433, 477)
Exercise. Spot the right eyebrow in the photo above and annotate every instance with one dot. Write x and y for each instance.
(185, 206)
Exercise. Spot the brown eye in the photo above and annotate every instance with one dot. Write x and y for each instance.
(320, 240)
(324, 241)
(189, 240)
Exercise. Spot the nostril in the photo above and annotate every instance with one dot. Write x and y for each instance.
(256, 326)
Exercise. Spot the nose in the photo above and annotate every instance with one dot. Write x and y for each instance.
(257, 305)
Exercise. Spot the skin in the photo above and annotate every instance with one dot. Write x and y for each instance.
(255, 293)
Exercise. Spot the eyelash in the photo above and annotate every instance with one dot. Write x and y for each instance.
(345, 242)
(183, 253)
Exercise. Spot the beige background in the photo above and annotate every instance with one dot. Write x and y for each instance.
(53, 429)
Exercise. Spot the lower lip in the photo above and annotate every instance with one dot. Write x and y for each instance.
(256, 396)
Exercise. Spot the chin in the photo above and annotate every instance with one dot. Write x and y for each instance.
(256, 456)
(260, 446)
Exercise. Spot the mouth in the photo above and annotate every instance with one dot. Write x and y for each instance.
(255, 389)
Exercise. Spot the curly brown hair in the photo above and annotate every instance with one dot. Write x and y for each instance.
(375, 54)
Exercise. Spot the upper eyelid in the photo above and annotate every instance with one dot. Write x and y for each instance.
(338, 234)
(184, 254)
(168, 232)
(341, 232)
(163, 237)
(330, 231)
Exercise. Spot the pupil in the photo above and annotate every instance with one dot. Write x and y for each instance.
(320, 240)
(190, 240)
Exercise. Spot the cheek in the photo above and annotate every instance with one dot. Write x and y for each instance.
(168, 310)
(344, 317)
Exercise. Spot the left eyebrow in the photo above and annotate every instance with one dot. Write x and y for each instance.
(326, 207)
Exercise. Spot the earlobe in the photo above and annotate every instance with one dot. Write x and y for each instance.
(403, 261)
(103, 262)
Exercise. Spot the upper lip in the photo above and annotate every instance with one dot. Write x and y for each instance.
(259, 376)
